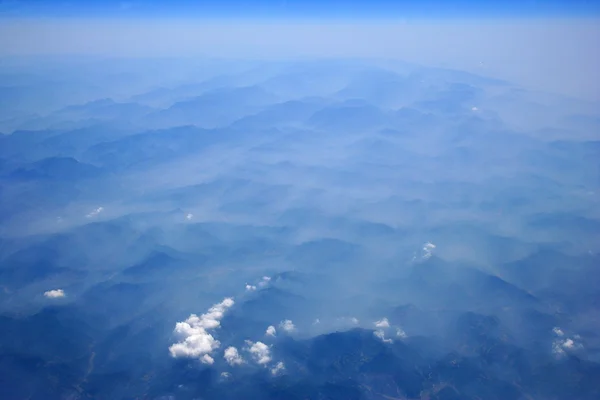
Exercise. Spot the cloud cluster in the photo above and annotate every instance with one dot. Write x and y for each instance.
(196, 341)
(260, 352)
(426, 252)
(563, 344)
(250, 288)
(232, 356)
(54, 294)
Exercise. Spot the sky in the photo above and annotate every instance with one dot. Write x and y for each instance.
(546, 45)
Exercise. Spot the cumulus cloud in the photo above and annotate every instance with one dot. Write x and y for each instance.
(189, 217)
(95, 212)
(196, 341)
(278, 368)
(400, 333)
(382, 323)
(271, 331)
(250, 288)
(287, 325)
(380, 334)
(232, 356)
(426, 252)
(54, 294)
(261, 353)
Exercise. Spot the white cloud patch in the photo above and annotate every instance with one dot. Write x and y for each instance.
(95, 212)
(250, 288)
(277, 369)
(196, 341)
(474, 109)
(426, 252)
(189, 217)
(317, 321)
(382, 323)
(400, 333)
(563, 344)
(287, 325)
(261, 353)
(354, 320)
(264, 281)
(271, 331)
(225, 375)
(54, 294)
(380, 334)
(558, 332)
(233, 357)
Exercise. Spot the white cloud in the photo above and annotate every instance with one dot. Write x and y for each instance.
(250, 288)
(232, 356)
(189, 217)
(383, 323)
(95, 212)
(264, 282)
(278, 368)
(271, 331)
(400, 333)
(354, 320)
(196, 341)
(474, 108)
(558, 331)
(287, 325)
(54, 294)
(261, 353)
(206, 359)
(225, 375)
(317, 321)
(562, 344)
(381, 335)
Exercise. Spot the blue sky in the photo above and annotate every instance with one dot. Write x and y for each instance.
(301, 8)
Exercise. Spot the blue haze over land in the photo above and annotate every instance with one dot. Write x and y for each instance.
(311, 200)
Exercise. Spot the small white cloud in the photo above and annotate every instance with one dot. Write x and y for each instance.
(278, 368)
(400, 333)
(382, 323)
(474, 109)
(54, 294)
(381, 335)
(287, 325)
(354, 320)
(250, 288)
(206, 359)
(232, 356)
(558, 332)
(317, 321)
(95, 212)
(261, 353)
(189, 217)
(196, 341)
(264, 281)
(271, 331)
(225, 375)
